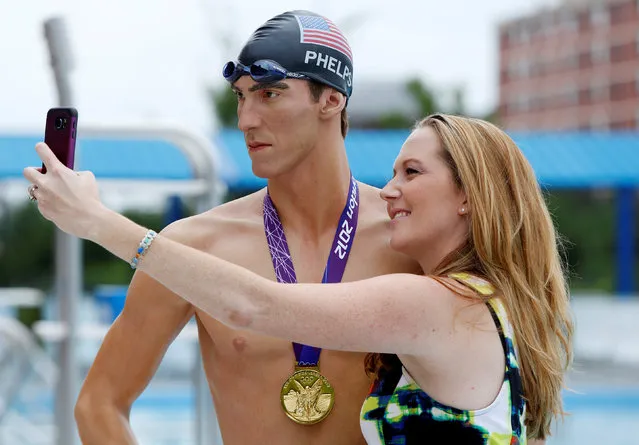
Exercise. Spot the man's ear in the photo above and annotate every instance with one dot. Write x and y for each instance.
(332, 102)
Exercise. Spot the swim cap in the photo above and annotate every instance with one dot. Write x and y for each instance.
(306, 43)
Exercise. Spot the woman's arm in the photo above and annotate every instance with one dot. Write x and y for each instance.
(401, 313)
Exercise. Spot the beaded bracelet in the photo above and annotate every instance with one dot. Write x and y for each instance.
(142, 248)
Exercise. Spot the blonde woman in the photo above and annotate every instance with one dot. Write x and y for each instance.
(474, 351)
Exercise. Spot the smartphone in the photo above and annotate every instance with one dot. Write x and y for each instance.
(60, 133)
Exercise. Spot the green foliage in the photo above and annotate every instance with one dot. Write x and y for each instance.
(27, 252)
(101, 267)
(394, 120)
(458, 102)
(26, 249)
(492, 117)
(423, 96)
(586, 221)
(425, 100)
(224, 103)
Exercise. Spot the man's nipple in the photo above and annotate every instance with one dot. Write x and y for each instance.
(239, 343)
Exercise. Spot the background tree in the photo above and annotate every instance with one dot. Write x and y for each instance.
(224, 103)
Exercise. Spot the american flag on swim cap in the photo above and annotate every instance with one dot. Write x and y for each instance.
(321, 31)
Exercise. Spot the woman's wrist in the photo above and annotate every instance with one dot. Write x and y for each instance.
(115, 232)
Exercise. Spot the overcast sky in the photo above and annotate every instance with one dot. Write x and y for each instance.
(152, 60)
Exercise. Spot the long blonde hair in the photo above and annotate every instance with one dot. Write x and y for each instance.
(512, 243)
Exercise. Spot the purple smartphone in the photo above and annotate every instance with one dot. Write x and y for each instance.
(59, 134)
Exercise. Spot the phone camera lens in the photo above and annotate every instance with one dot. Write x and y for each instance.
(60, 123)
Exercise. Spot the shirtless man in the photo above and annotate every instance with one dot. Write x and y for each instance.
(293, 80)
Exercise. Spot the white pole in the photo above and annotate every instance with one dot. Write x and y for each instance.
(68, 257)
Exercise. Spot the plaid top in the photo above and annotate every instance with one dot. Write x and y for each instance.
(398, 412)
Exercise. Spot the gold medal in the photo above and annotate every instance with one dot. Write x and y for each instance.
(307, 397)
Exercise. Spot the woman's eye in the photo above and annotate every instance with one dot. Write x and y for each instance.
(411, 171)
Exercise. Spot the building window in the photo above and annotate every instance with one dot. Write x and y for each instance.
(571, 94)
(503, 40)
(627, 124)
(600, 52)
(534, 69)
(618, 13)
(518, 69)
(512, 35)
(621, 91)
(548, 25)
(599, 90)
(535, 102)
(569, 20)
(619, 53)
(503, 77)
(584, 20)
(585, 60)
(571, 123)
(518, 34)
(600, 121)
(533, 28)
(599, 15)
(523, 68)
(512, 70)
(522, 102)
(572, 60)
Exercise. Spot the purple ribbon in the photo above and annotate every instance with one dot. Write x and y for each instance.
(337, 259)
